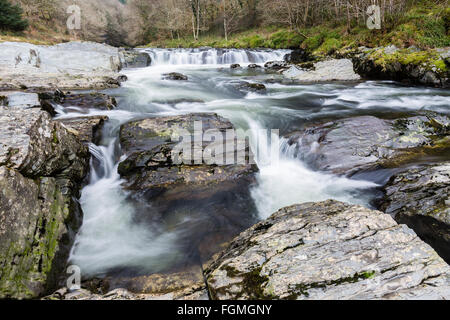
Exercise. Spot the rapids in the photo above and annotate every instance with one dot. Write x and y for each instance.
(112, 240)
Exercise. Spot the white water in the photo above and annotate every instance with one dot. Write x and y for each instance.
(110, 237)
(212, 56)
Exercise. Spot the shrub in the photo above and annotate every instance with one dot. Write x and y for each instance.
(11, 17)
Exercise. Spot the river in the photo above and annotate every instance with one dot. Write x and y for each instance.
(112, 240)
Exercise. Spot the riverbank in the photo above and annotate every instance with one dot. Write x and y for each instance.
(425, 25)
(152, 228)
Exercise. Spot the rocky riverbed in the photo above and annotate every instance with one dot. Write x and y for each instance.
(144, 226)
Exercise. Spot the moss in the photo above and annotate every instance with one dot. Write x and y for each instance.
(302, 289)
(252, 284)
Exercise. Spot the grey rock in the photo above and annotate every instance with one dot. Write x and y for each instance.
(235, 66)
(87, 129)
(391, 64)
(362, 143)
(254, 66)
(42, 166)
(174, 76)
(329, 70)
(276, 65)
(250, 87)
(420, 198)
(135, 59)
(181, 188)
(18, 99)
(67, 65)
(328, 250)
(33, 144)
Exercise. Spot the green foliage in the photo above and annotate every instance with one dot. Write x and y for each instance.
(285, 39)
(330, 46)
(11, 17)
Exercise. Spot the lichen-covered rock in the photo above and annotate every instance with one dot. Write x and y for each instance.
(362, 143)
(216, 196)
(426, 67)
(245, 87)
(174, 76)
(20, 99)
(42, 166)
(148, 145)
(276, 65)
(135, 59)
(195, 293)
(420, 198)
(328, 250)
(38, 221)
(87, 129)
(76, 101)
(329, 70)
(34, 145)
(68, 65)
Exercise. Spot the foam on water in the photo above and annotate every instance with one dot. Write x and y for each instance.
(111, 238)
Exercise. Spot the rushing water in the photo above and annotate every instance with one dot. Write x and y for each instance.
(111, 238)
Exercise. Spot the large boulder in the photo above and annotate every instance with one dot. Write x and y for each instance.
(328, 250)
(245, 86)
(42, 166)
(362, 143)
(215, 196)
(174, 76)
(427, 67)
(298, 56)
(420, 198)
(329, 70)
(67, 65)
(276, 65)
(135, 59)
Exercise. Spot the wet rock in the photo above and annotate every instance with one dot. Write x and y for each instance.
(328, 250)
(18, 99)
(406, 65)
(185, 186)
(250, 87)
(161, 284)
(235, 66)
(362, 143)
(420, 198)
(42, 166)
(79, 102)
(276, 65)
(87, 129)
(33, 144)
(174, 76)
(329, 70)
(298, 56)
(70, 65)
(135, 59)
(254, 66)
(194, 293)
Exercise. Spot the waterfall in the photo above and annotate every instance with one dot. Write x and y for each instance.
(210, 56)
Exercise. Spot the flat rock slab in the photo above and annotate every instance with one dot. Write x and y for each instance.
(66, 65)
(362, 143)
(19, 99)
(328, 250)
(87, 129)
(206, 204)
(329, 70)
(420, 198)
